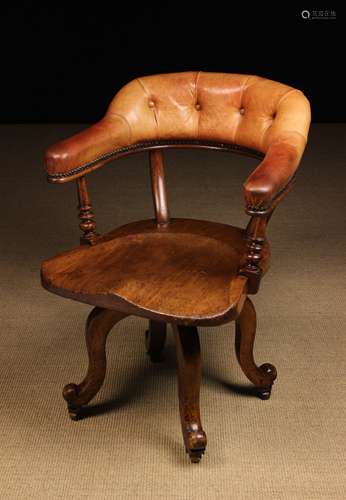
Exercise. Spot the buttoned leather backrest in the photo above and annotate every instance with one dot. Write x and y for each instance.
(249, 111)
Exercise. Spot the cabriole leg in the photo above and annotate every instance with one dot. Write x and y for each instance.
(263, 376)
(189, 380)
(99, 323)
(155, 338)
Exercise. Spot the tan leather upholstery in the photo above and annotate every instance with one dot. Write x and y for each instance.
(249, 111)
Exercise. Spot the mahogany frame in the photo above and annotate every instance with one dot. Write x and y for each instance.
(101, 320)
(260, 216)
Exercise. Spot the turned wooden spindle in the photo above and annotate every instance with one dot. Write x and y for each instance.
(86, 214)
(158, 185)
(255, 236)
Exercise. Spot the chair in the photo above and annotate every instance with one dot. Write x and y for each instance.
(185, 272)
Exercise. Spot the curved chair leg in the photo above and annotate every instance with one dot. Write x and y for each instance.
(263, 376)
(99, 323)
(189, 379)
(155, 338)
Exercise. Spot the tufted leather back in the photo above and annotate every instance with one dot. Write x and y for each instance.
(249, 111)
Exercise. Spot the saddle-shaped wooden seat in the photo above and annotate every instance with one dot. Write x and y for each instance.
(185, 271)
(180, 271)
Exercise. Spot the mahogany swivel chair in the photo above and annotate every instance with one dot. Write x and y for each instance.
(185, 272)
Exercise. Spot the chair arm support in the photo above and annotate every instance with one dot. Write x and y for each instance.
(87, 146)
(269, 181)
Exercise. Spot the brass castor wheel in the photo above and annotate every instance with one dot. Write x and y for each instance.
(265, 391)
(195, 444)
(70, 393)
(75, 414)
(195, 455)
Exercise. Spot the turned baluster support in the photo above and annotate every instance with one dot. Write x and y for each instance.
(86, 214)
(255, 238)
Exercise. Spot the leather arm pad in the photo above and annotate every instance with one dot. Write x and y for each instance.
(272, 175)
(86, 146)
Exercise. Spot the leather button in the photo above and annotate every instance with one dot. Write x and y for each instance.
(242, 111)
(151, 104)
(197, 106)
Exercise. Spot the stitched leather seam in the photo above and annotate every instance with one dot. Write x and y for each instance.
(156, 143)
(283, 97)
(243, 88)
(256, 79)
(196, 100)
(282, 135)
(235, 133)
(156, 121)
(127, 123)
(153, 109)
(143, 87)
(286, 94)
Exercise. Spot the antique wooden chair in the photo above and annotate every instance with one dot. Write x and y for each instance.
(181, 271)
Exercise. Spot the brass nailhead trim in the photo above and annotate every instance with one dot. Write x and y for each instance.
(148, 144)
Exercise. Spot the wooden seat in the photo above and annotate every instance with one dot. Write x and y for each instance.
(179, 271)
(184, 271)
